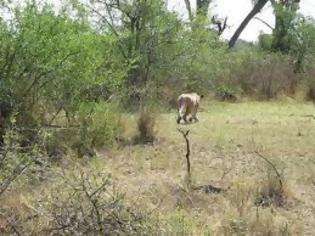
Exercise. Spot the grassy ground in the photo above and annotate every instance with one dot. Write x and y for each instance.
(224, 146)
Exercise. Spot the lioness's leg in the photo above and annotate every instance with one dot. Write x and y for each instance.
(181, 113)
(178, 119)
(194, 113)
(185, 118)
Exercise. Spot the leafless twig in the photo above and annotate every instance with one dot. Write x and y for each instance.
(273, 167)
(185, 135)
(264, 22)
(11, 222)
(18, 170)
(221, 24)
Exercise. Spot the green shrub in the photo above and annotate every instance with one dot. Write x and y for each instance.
(17, 160)
(96, 125)
(309, 79)
(258, 75)
(90, 204)
(79, 203)
(226, 93)
(100, 124)
(243, 218)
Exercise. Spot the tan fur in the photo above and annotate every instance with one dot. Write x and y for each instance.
(188, 103)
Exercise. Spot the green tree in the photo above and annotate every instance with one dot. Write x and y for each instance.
(285, 13)
(46, 63)
(302, 47)
(141, 30)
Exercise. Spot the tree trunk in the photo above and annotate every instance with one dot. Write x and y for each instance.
(256, 9)
(202, 7)
(188, 7)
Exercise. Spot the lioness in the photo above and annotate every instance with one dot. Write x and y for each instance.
(188, 103)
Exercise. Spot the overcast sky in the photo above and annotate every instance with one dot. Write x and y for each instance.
(236, 10)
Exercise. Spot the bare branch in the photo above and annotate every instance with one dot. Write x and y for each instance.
(221, 25)
(264, 22)
(11, 222)
(273, 167)
(188, 7)
(109, 23)
(202, 7)
(93, 201)
(18, 170)
(185, 135)
(256, 9)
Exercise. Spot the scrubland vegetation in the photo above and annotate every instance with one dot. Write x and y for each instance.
(89, 143)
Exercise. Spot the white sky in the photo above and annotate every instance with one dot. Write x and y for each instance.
(236, 10)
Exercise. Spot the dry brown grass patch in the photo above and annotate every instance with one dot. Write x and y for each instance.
(146, 127)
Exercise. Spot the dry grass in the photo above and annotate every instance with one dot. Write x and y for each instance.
(145, 127)
(223, 146)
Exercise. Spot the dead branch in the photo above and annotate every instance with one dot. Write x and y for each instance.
(256, 9)
(11, 222)
(188, 7)
(3, 155)
(17, 171)
(221, 24)
(185, 135)
(264, 22)
(273, 167)
(93, 200)
(209, 189)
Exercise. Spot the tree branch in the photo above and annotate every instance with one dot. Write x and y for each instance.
(221, 24)
(188, 7)
(185, 135)
(264, 22)
(256, 9)
(18, 170)
(110, 25)
(273, 167)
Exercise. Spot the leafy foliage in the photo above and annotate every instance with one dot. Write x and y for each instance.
(68, 76)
